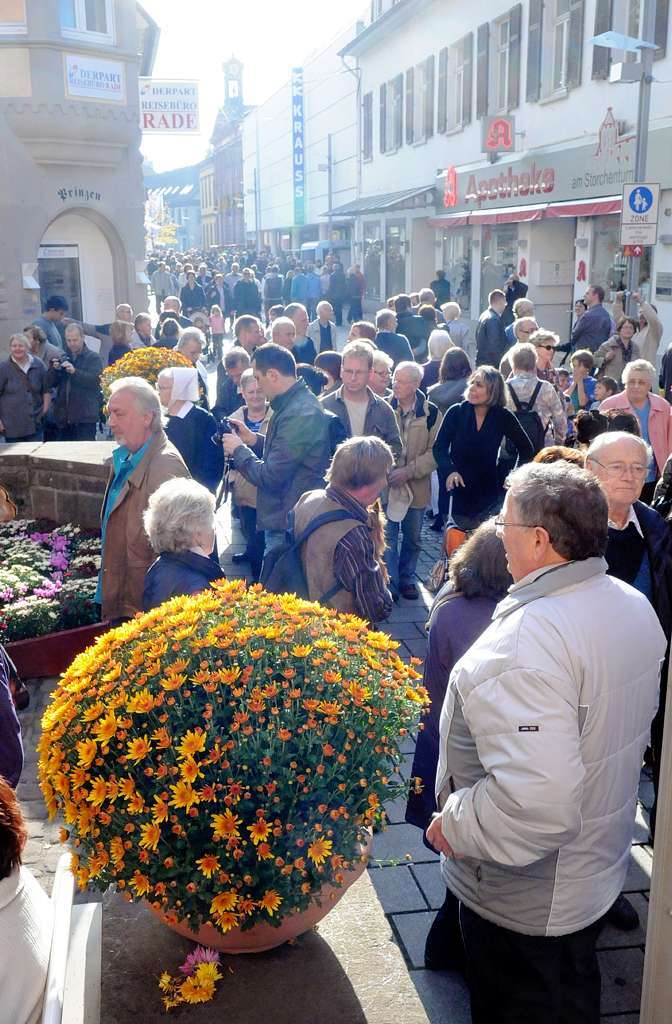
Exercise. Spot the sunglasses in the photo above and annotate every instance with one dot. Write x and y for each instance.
(549, 348)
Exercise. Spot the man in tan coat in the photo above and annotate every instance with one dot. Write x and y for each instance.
(410, 482)
(143, 461)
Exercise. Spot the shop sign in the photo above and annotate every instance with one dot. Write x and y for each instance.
(639, 214)
(92, 78)
(168, 107)
(298, 161)
(450, 188)
(600, 168)
(498, 134)
(78, 193)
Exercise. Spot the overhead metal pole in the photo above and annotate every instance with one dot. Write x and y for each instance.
(643, 112)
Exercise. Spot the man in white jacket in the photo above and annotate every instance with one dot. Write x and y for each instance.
(543, 730)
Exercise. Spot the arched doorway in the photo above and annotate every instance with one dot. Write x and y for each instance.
(75, 260)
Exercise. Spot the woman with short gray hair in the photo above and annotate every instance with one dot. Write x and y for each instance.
(439, 343)
(652, 411)
(180, 523)
(24, 398)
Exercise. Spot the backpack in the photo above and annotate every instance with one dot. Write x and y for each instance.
(530, 420)
(282, 571)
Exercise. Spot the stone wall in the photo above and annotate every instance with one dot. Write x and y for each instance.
(63, 481)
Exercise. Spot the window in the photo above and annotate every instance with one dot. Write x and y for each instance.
(12, 17)
(455, 85)
(391, 115)
(560, 44)
(502, 66)
(367, 127)
(555, 45)
(626, 16)
(456, 261)
(88, 19)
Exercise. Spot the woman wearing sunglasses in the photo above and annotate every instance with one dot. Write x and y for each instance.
(544, 342)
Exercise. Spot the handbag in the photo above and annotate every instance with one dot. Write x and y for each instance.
(453, 538)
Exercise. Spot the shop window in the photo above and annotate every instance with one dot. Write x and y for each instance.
(12, 17)
(499, 257)
(395, 257)
(608, 266)
(456, 261)
(367, 127)
(91, 20)
(372, 256)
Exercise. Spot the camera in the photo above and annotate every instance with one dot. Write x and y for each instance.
(223, 428)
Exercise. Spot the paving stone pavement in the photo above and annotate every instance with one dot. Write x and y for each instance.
(405, 874)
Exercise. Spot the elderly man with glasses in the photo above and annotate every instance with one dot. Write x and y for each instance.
(542, 734)
(639, 549)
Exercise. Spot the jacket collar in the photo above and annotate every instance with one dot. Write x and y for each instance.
(140, 471)
(420, 405)
(10, 887)
(280, 401)
(548, 580)
(349, 503)
(207, 566)
(373, 398)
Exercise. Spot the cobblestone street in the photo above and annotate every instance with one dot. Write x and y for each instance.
(404, 873)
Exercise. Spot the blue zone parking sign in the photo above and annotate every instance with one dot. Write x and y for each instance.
(639, 216)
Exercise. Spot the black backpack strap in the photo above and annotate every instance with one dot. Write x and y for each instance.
(337, 516)
(327, 596)
(525, 406)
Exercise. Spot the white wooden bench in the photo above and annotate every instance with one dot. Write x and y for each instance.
(72, 990)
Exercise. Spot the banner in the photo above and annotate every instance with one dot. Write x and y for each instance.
(92, 78)
(168, 107)
(298, 164)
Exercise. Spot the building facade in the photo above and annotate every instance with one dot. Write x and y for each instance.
(431, 72)
(179, 192)
(209, 233)
(71, 190)
(300, 157)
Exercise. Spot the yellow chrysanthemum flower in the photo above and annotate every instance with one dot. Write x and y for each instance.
(319, 850)
(138, 749)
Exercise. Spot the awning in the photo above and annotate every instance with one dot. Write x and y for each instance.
(450, 220)
(585, 208)
(379, 203)
(508, 215)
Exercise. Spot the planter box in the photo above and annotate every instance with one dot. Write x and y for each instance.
(51, 654)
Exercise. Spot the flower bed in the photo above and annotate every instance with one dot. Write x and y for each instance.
(223, 755)
(142, 362)
(48, 579)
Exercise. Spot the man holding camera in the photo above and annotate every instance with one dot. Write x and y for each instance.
(294, 455)
(76, 377)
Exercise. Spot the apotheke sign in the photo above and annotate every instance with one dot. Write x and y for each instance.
(599, 169)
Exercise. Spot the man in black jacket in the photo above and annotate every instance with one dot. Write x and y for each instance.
(76, 377)
(639, 550)
(412, 326)
(294, 455)
(394, 345)
(491, 340)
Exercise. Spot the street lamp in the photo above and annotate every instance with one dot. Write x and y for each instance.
(627, 73)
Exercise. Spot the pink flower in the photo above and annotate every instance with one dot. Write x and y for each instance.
(58, 560)
(200, 955)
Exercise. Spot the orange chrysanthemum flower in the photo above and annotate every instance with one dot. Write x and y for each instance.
(138, 749)
(226, 825)
(270, 902)
(208, 864)
(259, 831)
(319, 850)
(150, 834)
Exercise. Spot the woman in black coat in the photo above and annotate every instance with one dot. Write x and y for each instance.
(192, 296)
(180, 524)
(467, 448)
(191, 428)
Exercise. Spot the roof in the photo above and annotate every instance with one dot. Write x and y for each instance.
(381, 26)
(385, 201)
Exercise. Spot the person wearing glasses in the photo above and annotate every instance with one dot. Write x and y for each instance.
(467, 448)
(523, 329)
(542, 735)
(653, 412)
(545, 343)
(639, 550)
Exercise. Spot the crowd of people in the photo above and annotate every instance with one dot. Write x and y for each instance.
(546, 641)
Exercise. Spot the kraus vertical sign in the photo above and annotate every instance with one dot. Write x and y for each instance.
(298, 165)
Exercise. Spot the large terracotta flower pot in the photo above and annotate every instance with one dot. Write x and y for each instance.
(264, 936)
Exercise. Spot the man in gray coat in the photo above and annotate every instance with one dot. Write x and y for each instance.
(543, 730)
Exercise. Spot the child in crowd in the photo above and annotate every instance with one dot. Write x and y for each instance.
(604, 388)
(217, 331)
